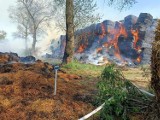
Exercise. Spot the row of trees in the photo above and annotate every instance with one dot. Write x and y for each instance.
(34, 17)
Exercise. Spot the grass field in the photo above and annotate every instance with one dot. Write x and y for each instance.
(139, 75)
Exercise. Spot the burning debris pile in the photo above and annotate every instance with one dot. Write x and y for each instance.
(125, 42)
(26, 91)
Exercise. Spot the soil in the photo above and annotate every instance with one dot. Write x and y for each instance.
(26, 93)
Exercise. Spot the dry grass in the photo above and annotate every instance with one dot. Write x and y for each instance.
(26, 92)
(138, 76)
(46, 105)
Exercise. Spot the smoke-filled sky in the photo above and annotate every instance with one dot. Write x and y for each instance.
(146, 6)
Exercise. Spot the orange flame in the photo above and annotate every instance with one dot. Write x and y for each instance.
(114, 41)
(85, 42)
(99, 50)
(135, 34)
(81, 48)
(138, 59)
(123, 31)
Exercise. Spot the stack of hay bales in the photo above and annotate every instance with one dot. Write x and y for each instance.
(155, 63)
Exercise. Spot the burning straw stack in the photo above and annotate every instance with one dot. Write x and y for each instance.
(154, 109)
(156, 63)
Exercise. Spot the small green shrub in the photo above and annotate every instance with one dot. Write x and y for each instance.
(112, 92)
(120, 96)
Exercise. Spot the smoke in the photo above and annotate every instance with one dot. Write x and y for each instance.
(10, 44)
(53, 34)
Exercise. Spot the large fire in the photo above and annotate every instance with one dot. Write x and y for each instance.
(112, 42)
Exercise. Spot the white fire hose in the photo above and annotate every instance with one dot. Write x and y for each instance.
(94, 111)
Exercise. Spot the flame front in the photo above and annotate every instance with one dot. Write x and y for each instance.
(114, 42)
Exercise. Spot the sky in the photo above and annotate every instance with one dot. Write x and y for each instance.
(109, 13)
(142, 6)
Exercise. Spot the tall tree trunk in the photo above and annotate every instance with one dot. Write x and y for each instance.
(34, 42)
(26, 44)
(155, 63)
(69, 49)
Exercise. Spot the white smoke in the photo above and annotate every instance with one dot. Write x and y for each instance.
(12, 46)
(53, 34)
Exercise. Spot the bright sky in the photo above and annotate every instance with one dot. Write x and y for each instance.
(5, 23)
(109, 13)
(142, 6)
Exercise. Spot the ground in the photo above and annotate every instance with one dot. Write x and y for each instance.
(26, 90)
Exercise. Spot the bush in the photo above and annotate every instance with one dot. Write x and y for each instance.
(120, 96)
(112, 92)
